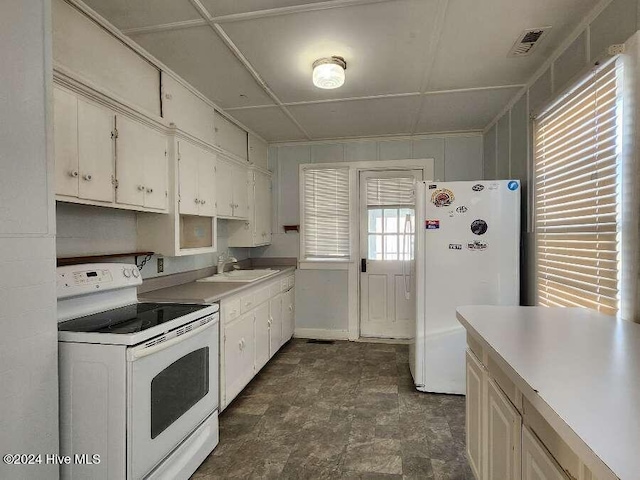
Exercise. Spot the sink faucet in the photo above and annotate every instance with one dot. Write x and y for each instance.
(224, 259)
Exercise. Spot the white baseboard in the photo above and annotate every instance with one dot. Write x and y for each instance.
(321, 334)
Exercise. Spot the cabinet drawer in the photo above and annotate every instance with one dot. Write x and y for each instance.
(262, 295)
(247, 302)
(231, 310)
(274, 289)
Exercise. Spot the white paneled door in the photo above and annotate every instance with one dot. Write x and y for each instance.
(387, 232)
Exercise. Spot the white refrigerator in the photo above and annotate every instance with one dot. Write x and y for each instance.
(467, 253)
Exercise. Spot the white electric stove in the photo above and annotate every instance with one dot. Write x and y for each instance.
(138, 381)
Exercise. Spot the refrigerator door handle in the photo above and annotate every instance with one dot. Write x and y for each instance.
(405, 252)
(363, 265)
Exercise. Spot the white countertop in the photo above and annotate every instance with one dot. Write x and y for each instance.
(584, 365)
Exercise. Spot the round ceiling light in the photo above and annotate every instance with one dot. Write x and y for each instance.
(329, 72)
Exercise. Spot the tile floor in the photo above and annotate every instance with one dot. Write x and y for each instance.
(341, 410)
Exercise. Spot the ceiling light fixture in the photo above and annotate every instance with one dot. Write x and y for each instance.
(328, 72)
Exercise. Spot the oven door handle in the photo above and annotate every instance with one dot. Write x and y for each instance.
(138, 353)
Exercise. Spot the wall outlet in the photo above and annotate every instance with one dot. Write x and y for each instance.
(160, 264)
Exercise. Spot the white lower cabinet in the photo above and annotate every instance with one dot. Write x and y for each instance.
(474, 411)
(263, 344)
(537, 464)
(275, 325)
(255, 323)
(504, 427)
(288, 314)
(499, 445)
(238, 351)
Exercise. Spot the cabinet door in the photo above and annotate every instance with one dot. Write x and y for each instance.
(238, 355)
(95, 152)
(188, 169)
(474, 408)
(275, 332)
(130, 161)
(288, 315)
(262, 335)
(224, 188)
(207, 184)
(65, 142)
(262, 209)
(240, 192)
(537, 464)
(503, 436)
(155, 170)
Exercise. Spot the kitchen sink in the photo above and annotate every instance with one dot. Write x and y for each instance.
(240, 276)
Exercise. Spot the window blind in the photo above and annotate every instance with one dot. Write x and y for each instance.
(577, 195)
(390, 192)
(326, 213)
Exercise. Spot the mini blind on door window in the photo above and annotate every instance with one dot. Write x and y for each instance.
(390, 192)
(577, 195)
(326, 213)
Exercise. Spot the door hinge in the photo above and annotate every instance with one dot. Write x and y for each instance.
(114, 133)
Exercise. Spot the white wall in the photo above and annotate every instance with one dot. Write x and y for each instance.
(507, 142)
(86, 230)
(28, 343)
(321, 296)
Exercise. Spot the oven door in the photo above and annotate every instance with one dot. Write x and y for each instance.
(173, 387)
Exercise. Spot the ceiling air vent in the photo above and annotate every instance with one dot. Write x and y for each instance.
(528, 41)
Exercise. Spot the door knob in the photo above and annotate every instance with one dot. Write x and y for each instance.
(202, 202)
(73, 173)
(149, 190)
(88, 177)
(141, 187)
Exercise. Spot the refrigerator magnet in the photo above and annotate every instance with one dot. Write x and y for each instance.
(455, 246)
(477, 246)
(432, 224)
(442, 197)
(462, 209)
(479, 227)
(478, 187)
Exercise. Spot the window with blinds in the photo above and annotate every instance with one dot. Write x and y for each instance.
(325, 214)
(577, 195)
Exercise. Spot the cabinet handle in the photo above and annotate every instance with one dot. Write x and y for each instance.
(291, 308)
(202, 202)
(197, 201)
(240, 344)
(87, 177)
(149, 190)
(73, 173)
(140, 188)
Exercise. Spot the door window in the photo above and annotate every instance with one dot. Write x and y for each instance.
(386, 233)
(177, 388)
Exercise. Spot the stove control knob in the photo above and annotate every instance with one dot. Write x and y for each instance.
(126, 273)
(135, 272)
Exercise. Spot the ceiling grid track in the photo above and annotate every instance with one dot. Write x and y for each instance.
(436, 35)
(243, 60)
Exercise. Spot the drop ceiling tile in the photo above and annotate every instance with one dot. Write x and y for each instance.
(230, 7)
(269, 122)
(477, 36)
(461, 111)
(357, 118)
(384, 44)
(200, 57)
(129, 14)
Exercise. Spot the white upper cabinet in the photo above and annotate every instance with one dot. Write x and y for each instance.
(83, 146)
(83, 47)
(232, 190)
(258, 152)
(197, 180)
(187, 111)
(141, 165)
(257, 230)
(230, 137)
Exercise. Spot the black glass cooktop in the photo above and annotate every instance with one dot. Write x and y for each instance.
(129, 319)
